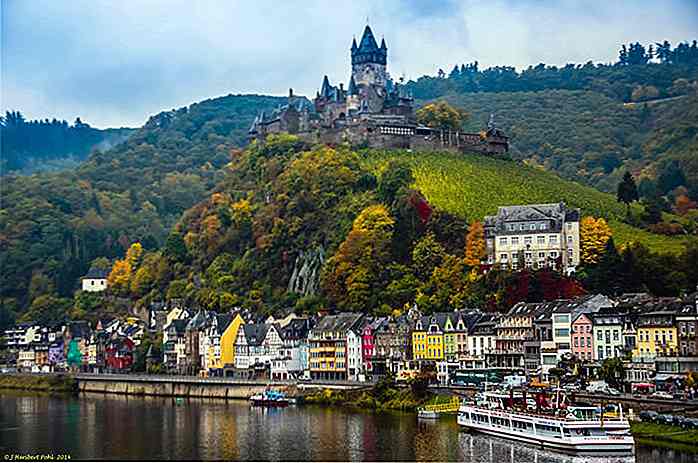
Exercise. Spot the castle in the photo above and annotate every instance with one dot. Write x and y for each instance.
(373, 110)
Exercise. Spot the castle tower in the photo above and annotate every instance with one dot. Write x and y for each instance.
(368, 60)
(352, 96)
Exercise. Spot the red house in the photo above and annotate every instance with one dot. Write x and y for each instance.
(119, 354)
(368, 344)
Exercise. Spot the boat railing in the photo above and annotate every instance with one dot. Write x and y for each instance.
(542, 415)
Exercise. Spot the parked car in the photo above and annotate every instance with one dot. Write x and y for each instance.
(662, 395)
(612, 391)
(691, 423)
(648, 416)
(679, 421)
(665, 419)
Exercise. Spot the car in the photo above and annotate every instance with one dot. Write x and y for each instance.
(662, 395)
(612, 391)
(665, 419)
(691, 423)
(648, 416)
(679, 421)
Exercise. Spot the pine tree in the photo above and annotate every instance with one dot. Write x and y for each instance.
(627, 190)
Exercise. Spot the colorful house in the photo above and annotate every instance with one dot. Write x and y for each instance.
(657, 335)
(582, 343)
(328, 346)
(428, 337)
(228, 339)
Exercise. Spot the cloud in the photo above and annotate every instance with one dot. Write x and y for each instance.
(116, 63)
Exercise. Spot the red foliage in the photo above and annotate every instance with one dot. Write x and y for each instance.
(420, 204)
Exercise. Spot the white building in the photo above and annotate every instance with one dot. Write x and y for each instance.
(533, 236)
(607, 336)
(354, 353)
(95, 280)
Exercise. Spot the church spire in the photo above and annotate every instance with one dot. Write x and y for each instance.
(353, 45)
(383, 46)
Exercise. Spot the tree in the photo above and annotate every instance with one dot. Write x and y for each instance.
(441, 115)
(627, 190)
(134, 253)
(426, 255)
(670, 176)
(396, 176)
(475, 250)
(120, 276)
(175, 247)
(594, 233)
(47, 309)
(613, 372)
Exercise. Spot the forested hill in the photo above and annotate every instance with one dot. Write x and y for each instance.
(574, 120)
(37, 146)
(52, 225)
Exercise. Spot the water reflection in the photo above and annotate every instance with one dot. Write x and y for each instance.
(119, 427)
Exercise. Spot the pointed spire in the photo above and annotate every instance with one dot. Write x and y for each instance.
(368, 42)
(383, 46)
(353, 44)
(325, 89)
(352, 86)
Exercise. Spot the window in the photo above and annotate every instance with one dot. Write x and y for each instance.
(582, 342)
(503, 257)
(576, 342)
(522, 227)
(503, 241)
(562, 332)
(532, 227)
(528, 256)
(527, 240)
(561, 318)
(514, 240)
(570, 252)
(511, 227)
(569, 238)
(542, 226)
(552, 239)
(616, 335)
(541, 240)
(541, 255)
(600, 353)
(553, 254)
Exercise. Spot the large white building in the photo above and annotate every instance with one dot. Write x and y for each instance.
(533, 236)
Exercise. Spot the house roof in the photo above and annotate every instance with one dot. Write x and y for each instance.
(255, 333)
(96, 274)
(337, 323)
(223, 321)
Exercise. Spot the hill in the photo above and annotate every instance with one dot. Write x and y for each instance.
(54, 224)
(472, 186)
(28, 147)
(590, 122)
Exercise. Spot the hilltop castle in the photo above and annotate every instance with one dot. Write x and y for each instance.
(373, 110)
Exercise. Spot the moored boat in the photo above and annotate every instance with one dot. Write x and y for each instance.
(271, 398)
(577, 428)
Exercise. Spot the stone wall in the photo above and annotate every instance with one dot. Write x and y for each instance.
(174, 389)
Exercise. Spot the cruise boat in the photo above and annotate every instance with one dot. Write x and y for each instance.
(562, 425)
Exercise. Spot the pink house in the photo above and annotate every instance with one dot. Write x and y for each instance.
(367, 347)
(582, 346)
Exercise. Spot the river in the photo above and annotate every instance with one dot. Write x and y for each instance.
(99, 427)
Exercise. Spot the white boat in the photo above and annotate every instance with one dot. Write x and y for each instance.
(566, 427)
(427, 414)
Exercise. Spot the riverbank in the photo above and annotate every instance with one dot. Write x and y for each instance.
(383, 396)
(49, 383)
(664, 435)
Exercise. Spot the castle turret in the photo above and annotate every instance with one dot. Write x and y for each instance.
(368, 60)
(352, 95)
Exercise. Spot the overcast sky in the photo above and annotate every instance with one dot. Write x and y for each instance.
(116, 62)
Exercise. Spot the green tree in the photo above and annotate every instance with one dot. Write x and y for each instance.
(396, 176)
(426, 256)
(627, 190)
(176, 248)
(613, 372)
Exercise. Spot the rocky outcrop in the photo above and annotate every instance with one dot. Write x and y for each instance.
(305, 279)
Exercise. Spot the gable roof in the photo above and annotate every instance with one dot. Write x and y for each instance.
(96, 274)
(255, 333)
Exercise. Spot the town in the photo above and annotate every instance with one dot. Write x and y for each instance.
(631, 342)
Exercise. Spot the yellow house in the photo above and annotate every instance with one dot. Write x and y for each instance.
(428, 337)
(656, 335)
(228, 339)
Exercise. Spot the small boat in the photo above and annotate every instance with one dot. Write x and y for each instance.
(423, 414)
(271, 398)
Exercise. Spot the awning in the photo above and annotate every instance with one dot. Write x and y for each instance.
(667, 376)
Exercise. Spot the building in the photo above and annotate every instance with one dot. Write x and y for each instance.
(687, 325)
(533, 236)
(174, 345)
(355, 362)
(657, 335)
(368, 341)
(393, 346)
(292, 360)
(372, 110)
(607, 335)
(328, 346)
(95, 280)
(428, 337)
(193, 340)
(228, 339)
(213, 334)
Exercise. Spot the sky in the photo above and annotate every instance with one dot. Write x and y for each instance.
(115, 63)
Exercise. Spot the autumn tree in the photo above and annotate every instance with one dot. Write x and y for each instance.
(426, 255)
(594, 233)
(441, 115)
(475, 244)
(352, 278)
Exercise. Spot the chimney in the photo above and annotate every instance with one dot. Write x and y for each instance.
(290, 93)
(341, 87)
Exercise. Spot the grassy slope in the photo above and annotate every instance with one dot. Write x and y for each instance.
(474, 186)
